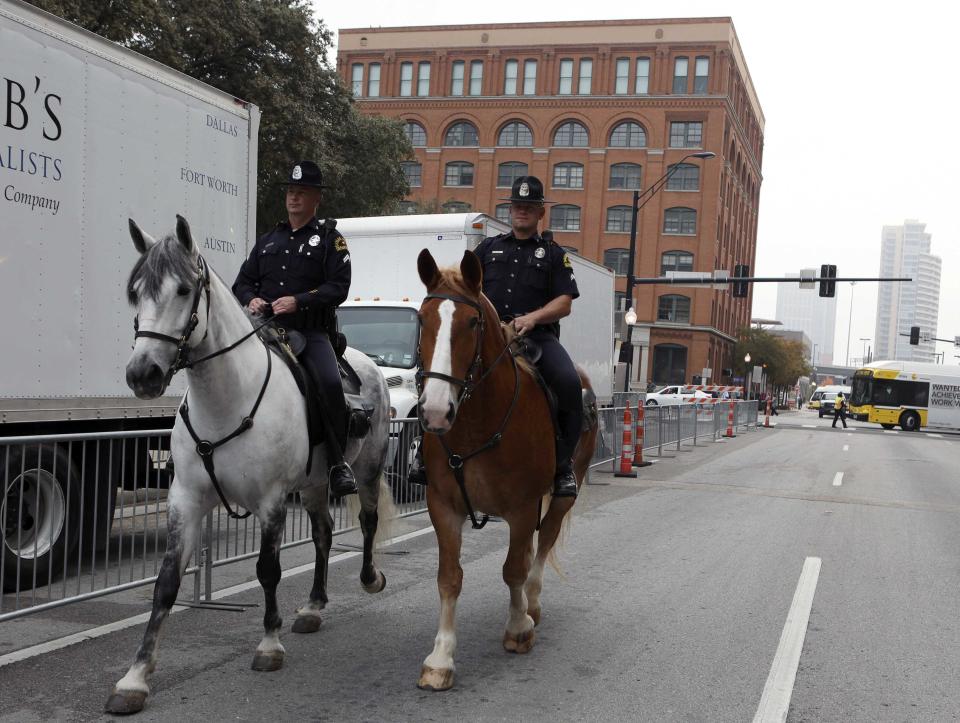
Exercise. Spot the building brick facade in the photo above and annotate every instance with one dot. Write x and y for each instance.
(595, 109)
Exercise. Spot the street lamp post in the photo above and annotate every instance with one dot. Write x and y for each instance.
(850, 320)
(747, 376)
(865, 339)
(651, 191)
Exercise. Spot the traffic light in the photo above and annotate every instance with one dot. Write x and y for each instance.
(828, 288)
(740, 288)
(914, 335)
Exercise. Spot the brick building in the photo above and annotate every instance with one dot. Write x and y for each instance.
(596, 110)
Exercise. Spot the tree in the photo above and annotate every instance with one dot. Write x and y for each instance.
(272, 54)
(785, 360)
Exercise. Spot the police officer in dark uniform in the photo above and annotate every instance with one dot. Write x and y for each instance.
(530, 281)
(301, 269)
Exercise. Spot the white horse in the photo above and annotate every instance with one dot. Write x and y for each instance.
(185, 314)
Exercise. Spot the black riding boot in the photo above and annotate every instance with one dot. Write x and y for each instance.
(342, 481)
(417, 475)
(565, 482)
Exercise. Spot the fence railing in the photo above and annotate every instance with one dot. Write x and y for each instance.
(85, 515)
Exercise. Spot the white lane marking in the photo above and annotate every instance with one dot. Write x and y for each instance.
(809, 426)
(775, 701)
(846, 448)
(891, 431)
(99, 632)
(935, 435)
(838, 479)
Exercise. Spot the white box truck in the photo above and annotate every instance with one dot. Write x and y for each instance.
(92, 134)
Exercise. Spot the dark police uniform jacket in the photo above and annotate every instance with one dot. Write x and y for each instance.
(523, 276)
(311, 264)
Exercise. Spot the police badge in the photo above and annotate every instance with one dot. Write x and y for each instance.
(314, 240)
(524, 190)
(540, 252)
(297, 173)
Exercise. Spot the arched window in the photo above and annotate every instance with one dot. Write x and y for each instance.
(669, 364)
(510, 171)
(676, 261)
(456, 207)
(458, 173)
(625, 176)
(515, 133)
(674, 308)
(628, 134)
(461, 133)
(565, 217)
(685, 178)
(503, 212)
(413, 172)
(568, 175)
(617, 260)
(416, 133)
(618, 219)
(680, 221)
(571, 134)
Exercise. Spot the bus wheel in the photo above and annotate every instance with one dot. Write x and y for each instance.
(888, 426)
(909, 422)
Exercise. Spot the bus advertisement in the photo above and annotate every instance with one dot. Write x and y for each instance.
(911, 395)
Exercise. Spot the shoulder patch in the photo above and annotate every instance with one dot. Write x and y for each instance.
(340, 243)
(566, 262)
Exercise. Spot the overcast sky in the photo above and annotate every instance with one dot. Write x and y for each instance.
(861, 124)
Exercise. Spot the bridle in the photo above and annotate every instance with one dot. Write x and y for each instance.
(468, 385)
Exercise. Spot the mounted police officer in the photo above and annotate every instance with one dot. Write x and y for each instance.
(530, 280)
(301, 269)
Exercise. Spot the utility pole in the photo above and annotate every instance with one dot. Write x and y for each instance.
(850, 321)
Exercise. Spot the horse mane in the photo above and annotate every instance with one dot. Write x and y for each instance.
(166, 258)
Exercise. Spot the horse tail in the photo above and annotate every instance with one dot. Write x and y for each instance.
(386, 512)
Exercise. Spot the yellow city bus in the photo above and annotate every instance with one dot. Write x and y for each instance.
(909, 394)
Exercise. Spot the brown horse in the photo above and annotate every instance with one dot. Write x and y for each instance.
(489, 447)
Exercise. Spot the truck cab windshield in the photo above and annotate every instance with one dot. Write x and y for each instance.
(387, 335)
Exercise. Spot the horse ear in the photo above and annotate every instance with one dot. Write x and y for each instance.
(471, 271)
(141, 241)
(183, 234)
(427, 267)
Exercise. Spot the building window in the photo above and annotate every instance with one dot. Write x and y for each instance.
(456, 77)
(461, 134)
(566, 77)
(685, 178)
(456, 207)
(356, 79)
(676, 261)
(674, 308)
(625, 176)
(510, 77)
(509, 172)
(669, 364)
(622, 82)
(680, 75)
(618, 219)
(406, 79)
(416, 133)
(565, 217)
(476, 77)
(407, 207)
(643, 76)
(458, 173)
(568, 175)
(413, 172)
(628, 135)
(571, 134)
(686, 134)
(586, 76)
(373, 82)
(529, 77)
(701, 74)
(617, 260)
(502, 212)
(680, 221)
(515, 133)
(423, 79)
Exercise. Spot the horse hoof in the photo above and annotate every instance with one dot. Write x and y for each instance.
(306, 624)
(535, 614)
(435, 679)
(377, 585)
(267, 662)
(125, 702)
(520, 643)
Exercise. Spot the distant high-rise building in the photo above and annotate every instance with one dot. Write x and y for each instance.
(905, 251)
(816, 316)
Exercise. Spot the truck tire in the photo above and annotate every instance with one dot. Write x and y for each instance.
(909, 421)
(40, 511)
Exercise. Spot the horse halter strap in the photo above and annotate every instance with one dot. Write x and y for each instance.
(468, 385)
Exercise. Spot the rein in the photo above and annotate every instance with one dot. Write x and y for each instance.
(467, 386)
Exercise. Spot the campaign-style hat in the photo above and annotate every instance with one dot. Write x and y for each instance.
(527, 189)
(305, 173)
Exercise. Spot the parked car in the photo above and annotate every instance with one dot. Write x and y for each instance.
(672, 396)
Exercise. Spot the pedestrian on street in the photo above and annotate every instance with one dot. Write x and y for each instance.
(839, 410)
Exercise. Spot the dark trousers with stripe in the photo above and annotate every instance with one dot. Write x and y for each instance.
(321, 361)
(561, 376)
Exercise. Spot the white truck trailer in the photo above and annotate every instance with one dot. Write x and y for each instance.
(95, 134)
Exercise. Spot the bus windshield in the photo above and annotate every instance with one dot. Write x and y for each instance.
(388, 335)
(862, 391)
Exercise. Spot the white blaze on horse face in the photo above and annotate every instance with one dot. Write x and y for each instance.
(439, 397)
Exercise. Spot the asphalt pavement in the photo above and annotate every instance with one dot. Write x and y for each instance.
(801, 566)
